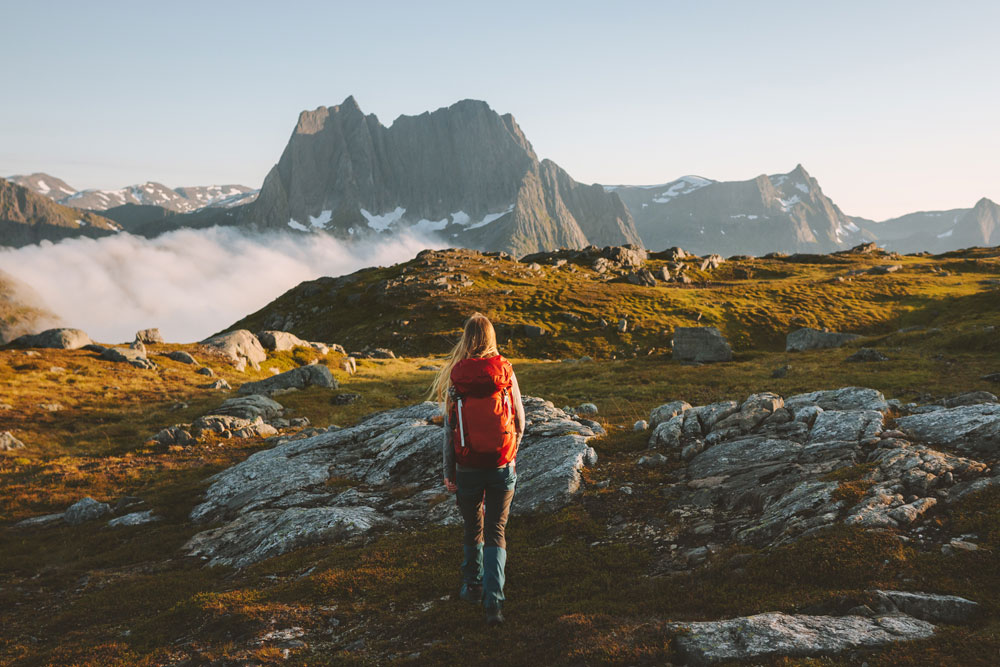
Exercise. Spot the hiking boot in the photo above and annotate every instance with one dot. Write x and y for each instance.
(494, 617)
(471, 592)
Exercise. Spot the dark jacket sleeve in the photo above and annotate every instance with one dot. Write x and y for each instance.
(448, 451)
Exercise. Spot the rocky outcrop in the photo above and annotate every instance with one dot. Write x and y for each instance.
(775, 468)
(278, 498)
(61, 339)
(149, 336)
(970, 428)
(132, 356)
(464, 172)
(182, 357)
(313, 375)
(241, 347)
(814, 339)
(701, 344)
(86, 509)
(769, 635)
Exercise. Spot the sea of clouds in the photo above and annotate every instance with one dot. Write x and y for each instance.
(189, 283)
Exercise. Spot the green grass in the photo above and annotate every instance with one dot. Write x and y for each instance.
(89, 595)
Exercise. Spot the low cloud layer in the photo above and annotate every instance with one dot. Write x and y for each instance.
(189, 283)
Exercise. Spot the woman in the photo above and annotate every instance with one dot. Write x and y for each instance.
(483, 427)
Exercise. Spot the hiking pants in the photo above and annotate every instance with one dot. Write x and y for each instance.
(493, 487)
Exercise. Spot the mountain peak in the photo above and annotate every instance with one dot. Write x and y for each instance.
(985, 203)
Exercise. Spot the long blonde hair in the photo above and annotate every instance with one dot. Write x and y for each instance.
(479, 340)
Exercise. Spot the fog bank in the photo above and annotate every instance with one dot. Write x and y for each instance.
(189, 283)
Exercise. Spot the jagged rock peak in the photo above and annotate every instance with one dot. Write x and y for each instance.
(463, 173)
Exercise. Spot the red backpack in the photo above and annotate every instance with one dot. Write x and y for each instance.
(482, 412)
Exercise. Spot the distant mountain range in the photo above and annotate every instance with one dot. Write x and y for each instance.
(178, 200)
(469, 177)
(27, 218)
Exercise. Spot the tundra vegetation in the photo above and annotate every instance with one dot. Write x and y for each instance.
(581, 589)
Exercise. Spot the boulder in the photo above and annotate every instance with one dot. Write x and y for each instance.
(206, 371)
(316, 375)
(250, 407)
(586, 409)
(182, 357)
(278, 499)
(350, 365)
(641, 277)
(220, 385)
(61, 339)
(845, 398)
(814, 339)
(712, 262)
(8, 442)
(927, 606)
(666, 412)
(86, 509)
(770, 635)
(534, 331)
(149, 336)
(884, 269)
(701, 344)
(969, 428)
(279, 341)
(970, 398)
(240, 346)
(128, 355)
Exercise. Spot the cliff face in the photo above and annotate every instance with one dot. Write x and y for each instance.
(463, 173)
(940, 231)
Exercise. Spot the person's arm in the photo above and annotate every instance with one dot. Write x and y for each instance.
(448, 457)
(518, 407)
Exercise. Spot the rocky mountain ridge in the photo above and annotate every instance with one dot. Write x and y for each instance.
(27, 218)
(464, 174)
(179, 200)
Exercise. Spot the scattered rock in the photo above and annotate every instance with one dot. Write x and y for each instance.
(534, 331)
(86, 509)
(666, 412)
(701, 344)
(781, 371)
(586, 409)
(991, 377)
(240, 346)
(205, 370)
(867, 354)
(149, 336)
(9, 443)
(349, 365)
(345, 399)
(316, 375)
(279, 341)
(814, 339)
(640, 425)
(37, 521)
(128, 355)
(622, 325)
(884, 269)
(219, 384)
(652, 461)
(174, 435)
(61, 339)
(51, 407)
(773, 634)
(712, 262)
(641, 277)
(183, 357)
(133, 519)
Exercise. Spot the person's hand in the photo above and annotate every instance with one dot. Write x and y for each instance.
(450, 485)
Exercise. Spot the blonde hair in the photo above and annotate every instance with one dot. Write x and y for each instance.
(479, 340)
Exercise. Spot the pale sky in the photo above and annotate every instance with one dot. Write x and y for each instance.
(892, 106)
